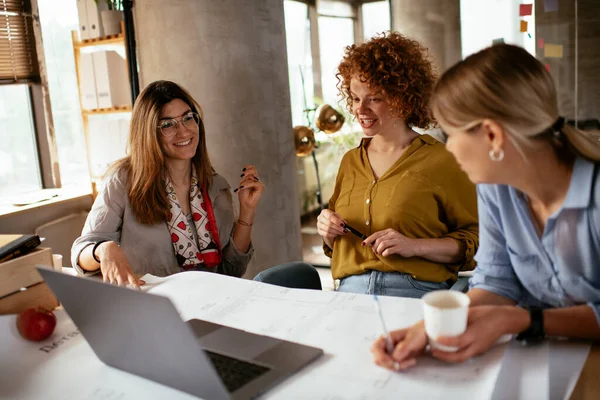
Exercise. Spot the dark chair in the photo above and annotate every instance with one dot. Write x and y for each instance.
(295, 275)
(462, 284)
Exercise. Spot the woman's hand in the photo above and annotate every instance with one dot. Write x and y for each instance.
(250, 189)
(115, 267)
(389, 241)
(485, 325)
(408, 343)
(329, 226)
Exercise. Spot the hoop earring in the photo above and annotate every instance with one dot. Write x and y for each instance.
(496, 156)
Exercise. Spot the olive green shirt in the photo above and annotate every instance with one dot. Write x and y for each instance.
(424, 195)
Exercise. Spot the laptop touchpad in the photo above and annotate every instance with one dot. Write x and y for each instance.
(236, 342)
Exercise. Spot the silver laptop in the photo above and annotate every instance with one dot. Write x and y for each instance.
(142, 333)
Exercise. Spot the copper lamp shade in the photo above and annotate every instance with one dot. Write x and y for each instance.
(329, 120)
(304, 138)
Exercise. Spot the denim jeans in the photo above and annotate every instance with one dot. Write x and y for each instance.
(389, 284)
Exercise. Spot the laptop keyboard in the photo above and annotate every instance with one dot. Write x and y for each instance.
(234, 372)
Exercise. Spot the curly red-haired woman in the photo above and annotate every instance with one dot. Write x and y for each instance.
(400, 189)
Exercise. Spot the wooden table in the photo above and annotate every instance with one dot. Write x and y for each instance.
(588, 385)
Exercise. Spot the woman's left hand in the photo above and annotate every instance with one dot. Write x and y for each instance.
(389, 241)
(250, 188)
(485, 325)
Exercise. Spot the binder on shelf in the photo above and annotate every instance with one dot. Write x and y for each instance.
(84, 32)
(99, 144)
(112, 81)
(89, 98)
(95, 27)
(124, 133)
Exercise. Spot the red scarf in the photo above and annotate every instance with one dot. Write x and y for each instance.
(191, 253)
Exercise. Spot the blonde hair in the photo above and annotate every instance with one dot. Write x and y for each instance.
(508, 85)
(145, 164)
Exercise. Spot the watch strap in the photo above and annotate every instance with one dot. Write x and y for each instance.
(535, 332)
(94, 249)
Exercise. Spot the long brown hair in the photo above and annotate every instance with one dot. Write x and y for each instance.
(508, 85)
(145, 163)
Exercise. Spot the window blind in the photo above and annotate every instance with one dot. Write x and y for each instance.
(18, 60)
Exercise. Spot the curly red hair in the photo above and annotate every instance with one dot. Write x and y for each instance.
(398, 67)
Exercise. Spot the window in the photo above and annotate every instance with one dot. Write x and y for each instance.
(57, 19)
(375, 18)
(297, 26)
(484, 21)
(19, 165)
(17, 45)
(25, 157)
(336, 31)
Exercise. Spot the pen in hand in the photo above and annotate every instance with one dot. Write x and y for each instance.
(389, 345)
(354, 231)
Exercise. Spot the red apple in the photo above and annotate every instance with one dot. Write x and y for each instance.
(36, 324)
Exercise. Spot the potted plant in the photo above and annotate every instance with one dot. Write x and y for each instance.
(111, 13)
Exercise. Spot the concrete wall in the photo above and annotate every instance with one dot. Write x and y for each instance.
(434, 23)
(231, 55)
(579, 69)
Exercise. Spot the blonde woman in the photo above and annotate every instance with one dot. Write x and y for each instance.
(538, 263)
(163, 208)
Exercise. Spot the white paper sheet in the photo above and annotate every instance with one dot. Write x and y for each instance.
(566, 363)
(344, 325)
(64, 367)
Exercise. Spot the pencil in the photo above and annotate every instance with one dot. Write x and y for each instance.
(388, 340)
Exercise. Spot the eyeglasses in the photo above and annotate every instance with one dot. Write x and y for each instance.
(168, 127)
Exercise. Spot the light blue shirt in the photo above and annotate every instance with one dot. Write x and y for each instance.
(562, 268)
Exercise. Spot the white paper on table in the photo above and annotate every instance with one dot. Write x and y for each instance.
(567, 359)
(344, 325)
(64, 367)
(549, 370)
(525, 373)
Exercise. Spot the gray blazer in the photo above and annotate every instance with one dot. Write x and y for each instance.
(148, 247)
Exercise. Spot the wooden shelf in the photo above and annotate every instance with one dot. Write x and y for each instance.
(101, 41)
(112, 110)
(111, 39)
(106, 43)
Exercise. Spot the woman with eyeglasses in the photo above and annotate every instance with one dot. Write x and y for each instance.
(538, 263)
(163, 209)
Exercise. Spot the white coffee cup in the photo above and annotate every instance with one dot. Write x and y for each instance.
(445, 314)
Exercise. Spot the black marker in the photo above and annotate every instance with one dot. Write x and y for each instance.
(354, 231)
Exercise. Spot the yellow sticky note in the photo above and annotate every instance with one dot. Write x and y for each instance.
(523, 26)
(553, 50)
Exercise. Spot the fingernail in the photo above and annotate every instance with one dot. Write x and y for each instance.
(256, 179)
(363, 243)
(346, 230)
(241, 187)
(343, 225)
(242, 175)
(235, 190)
(243, 169)
(396, 365)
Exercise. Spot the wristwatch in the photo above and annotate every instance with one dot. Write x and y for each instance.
(535, 332)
